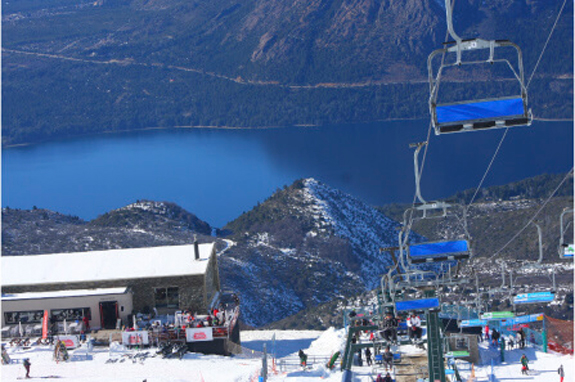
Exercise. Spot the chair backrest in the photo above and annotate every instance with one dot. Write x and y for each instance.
(439, 251)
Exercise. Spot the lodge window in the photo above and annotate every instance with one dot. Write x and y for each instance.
(167, 297)
(71, 314)
(26, 317)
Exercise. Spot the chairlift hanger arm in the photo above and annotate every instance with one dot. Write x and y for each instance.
(539, 234)
(566, 210)
(425, 206)
(418, 147)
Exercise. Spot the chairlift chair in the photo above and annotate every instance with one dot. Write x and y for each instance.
(429, 252)
(472, 115)
(533, 297)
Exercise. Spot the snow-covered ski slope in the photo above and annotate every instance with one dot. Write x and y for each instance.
(210, 368)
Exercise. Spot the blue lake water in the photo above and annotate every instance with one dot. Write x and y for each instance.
(218, 174)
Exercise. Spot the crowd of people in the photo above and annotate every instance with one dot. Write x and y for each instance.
(215, 318)
(185, 320)
(512, 341)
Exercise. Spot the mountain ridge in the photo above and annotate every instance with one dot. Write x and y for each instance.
(306, 246)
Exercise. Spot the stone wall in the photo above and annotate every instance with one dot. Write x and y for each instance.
(212, 280)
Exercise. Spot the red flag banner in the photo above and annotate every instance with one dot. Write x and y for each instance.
(45, 325)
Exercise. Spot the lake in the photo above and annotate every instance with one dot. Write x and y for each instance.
(219, 174)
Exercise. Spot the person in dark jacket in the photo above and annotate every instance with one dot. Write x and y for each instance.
(388, 358)
(302, 358)
(388, 378)
(27, 364)
(368, 356)
(561, 373)
(495, 337)
(390, 328)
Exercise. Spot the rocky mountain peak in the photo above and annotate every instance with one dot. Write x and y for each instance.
(320, 242)
(149, 215)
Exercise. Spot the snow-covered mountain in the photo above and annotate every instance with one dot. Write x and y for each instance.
(307, 244)
(140, 224)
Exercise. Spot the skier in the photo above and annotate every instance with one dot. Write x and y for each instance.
(495, 337)
(561, 373)
(5, 356)
(414, 327)
(387, 378)
(379, 378)
(524, 364)
(486, 332)
(368, 356)
(388, 358)
(302, 358)
(27, 366)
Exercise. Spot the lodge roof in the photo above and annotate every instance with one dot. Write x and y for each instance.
(64, 293)
(114, 264)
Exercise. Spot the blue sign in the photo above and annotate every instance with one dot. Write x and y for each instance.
(472, 323)
(523, 319)
(423, 304)
(529, 298)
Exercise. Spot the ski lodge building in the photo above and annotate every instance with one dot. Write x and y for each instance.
(108, 286)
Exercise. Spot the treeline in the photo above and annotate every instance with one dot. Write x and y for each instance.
(48, 101)
(537, 187)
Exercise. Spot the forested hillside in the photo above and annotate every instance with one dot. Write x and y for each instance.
(72, 67)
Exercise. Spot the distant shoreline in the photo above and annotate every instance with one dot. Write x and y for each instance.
(199, 127)
(208, 127)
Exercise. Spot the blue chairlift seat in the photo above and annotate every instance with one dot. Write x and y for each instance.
(439, 251)
(475, 115)
(421, 304)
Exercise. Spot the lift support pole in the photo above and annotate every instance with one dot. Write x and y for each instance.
(436, 363)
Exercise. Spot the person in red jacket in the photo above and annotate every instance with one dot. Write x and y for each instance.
(86, 322)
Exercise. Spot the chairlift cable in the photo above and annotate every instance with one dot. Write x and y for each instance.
(507, 128)
(535, 215)
(487, 170)
(546, 43)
